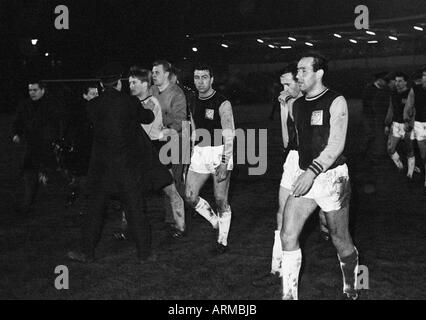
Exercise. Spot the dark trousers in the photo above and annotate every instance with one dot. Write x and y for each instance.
(31, 186)
(135, 207)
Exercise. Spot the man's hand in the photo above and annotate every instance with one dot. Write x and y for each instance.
(387, 130)
(16, 139)
(42, 178)
(303, 184)
(222, 172)
(150, 105)
(283, 95)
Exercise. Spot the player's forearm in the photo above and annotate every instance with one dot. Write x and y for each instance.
(284, 128)
(409, 110)
(228, 130)
(337, 137)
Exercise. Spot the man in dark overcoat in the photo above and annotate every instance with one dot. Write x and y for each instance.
(39, 123)
(123, 162)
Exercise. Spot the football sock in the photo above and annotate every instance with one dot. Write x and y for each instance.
(349, 267)
(276, 254)
(291, 262)
(204, 209)
(224, 225)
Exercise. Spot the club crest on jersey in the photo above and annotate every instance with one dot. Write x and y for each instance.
(316, 118)
(209, 114)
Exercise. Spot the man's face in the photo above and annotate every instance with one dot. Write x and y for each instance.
(91, 93)
(35, 91)
(400, 84)
(137, 87)
(290, 85)
(202, 80)
(159, 76)
(306, 76)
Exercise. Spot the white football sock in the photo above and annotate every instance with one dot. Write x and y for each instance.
(349, 267)
(291, 262)
(205, 210)
(411, 165)
(276, 254)
(224, 225)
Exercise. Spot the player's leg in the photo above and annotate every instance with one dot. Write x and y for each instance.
(411, 159)
(194, 183)
(277, 253)
(338, 223)
(284, 193)
(325, 234)
(175, 201)
(336, 207)
(392, 143)
(221, 190)
(296, 212)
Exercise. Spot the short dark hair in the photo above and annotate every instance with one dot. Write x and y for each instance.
(381, 75)
(204, 66)
(418, 74)
(319, 61)
(143, 75)
(401, 74)
(290, 68)
(167, 66)
(423, 69)
(40, 83)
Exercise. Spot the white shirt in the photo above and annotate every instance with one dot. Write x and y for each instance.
(154, 129)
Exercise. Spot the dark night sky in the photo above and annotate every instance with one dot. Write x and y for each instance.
(140, 31)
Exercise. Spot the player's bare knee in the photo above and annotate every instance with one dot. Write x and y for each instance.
(191, 198)
(288, 239)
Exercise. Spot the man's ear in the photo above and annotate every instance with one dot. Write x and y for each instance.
(212, 80)
(320, 74)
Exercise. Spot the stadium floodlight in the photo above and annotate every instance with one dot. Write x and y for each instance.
(271, 46)
(195, 49)
(285, 47)
(393, 38)
(373, 41)
(353, 41)
(46, 54)
(291, 39)
(259, 40)
(418, 28)
(224, 45)
(34, 41)
(309, 44)
(337, 35)
(371, 33)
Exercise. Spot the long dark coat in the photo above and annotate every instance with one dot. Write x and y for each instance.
(40, 124)
(122, 153)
